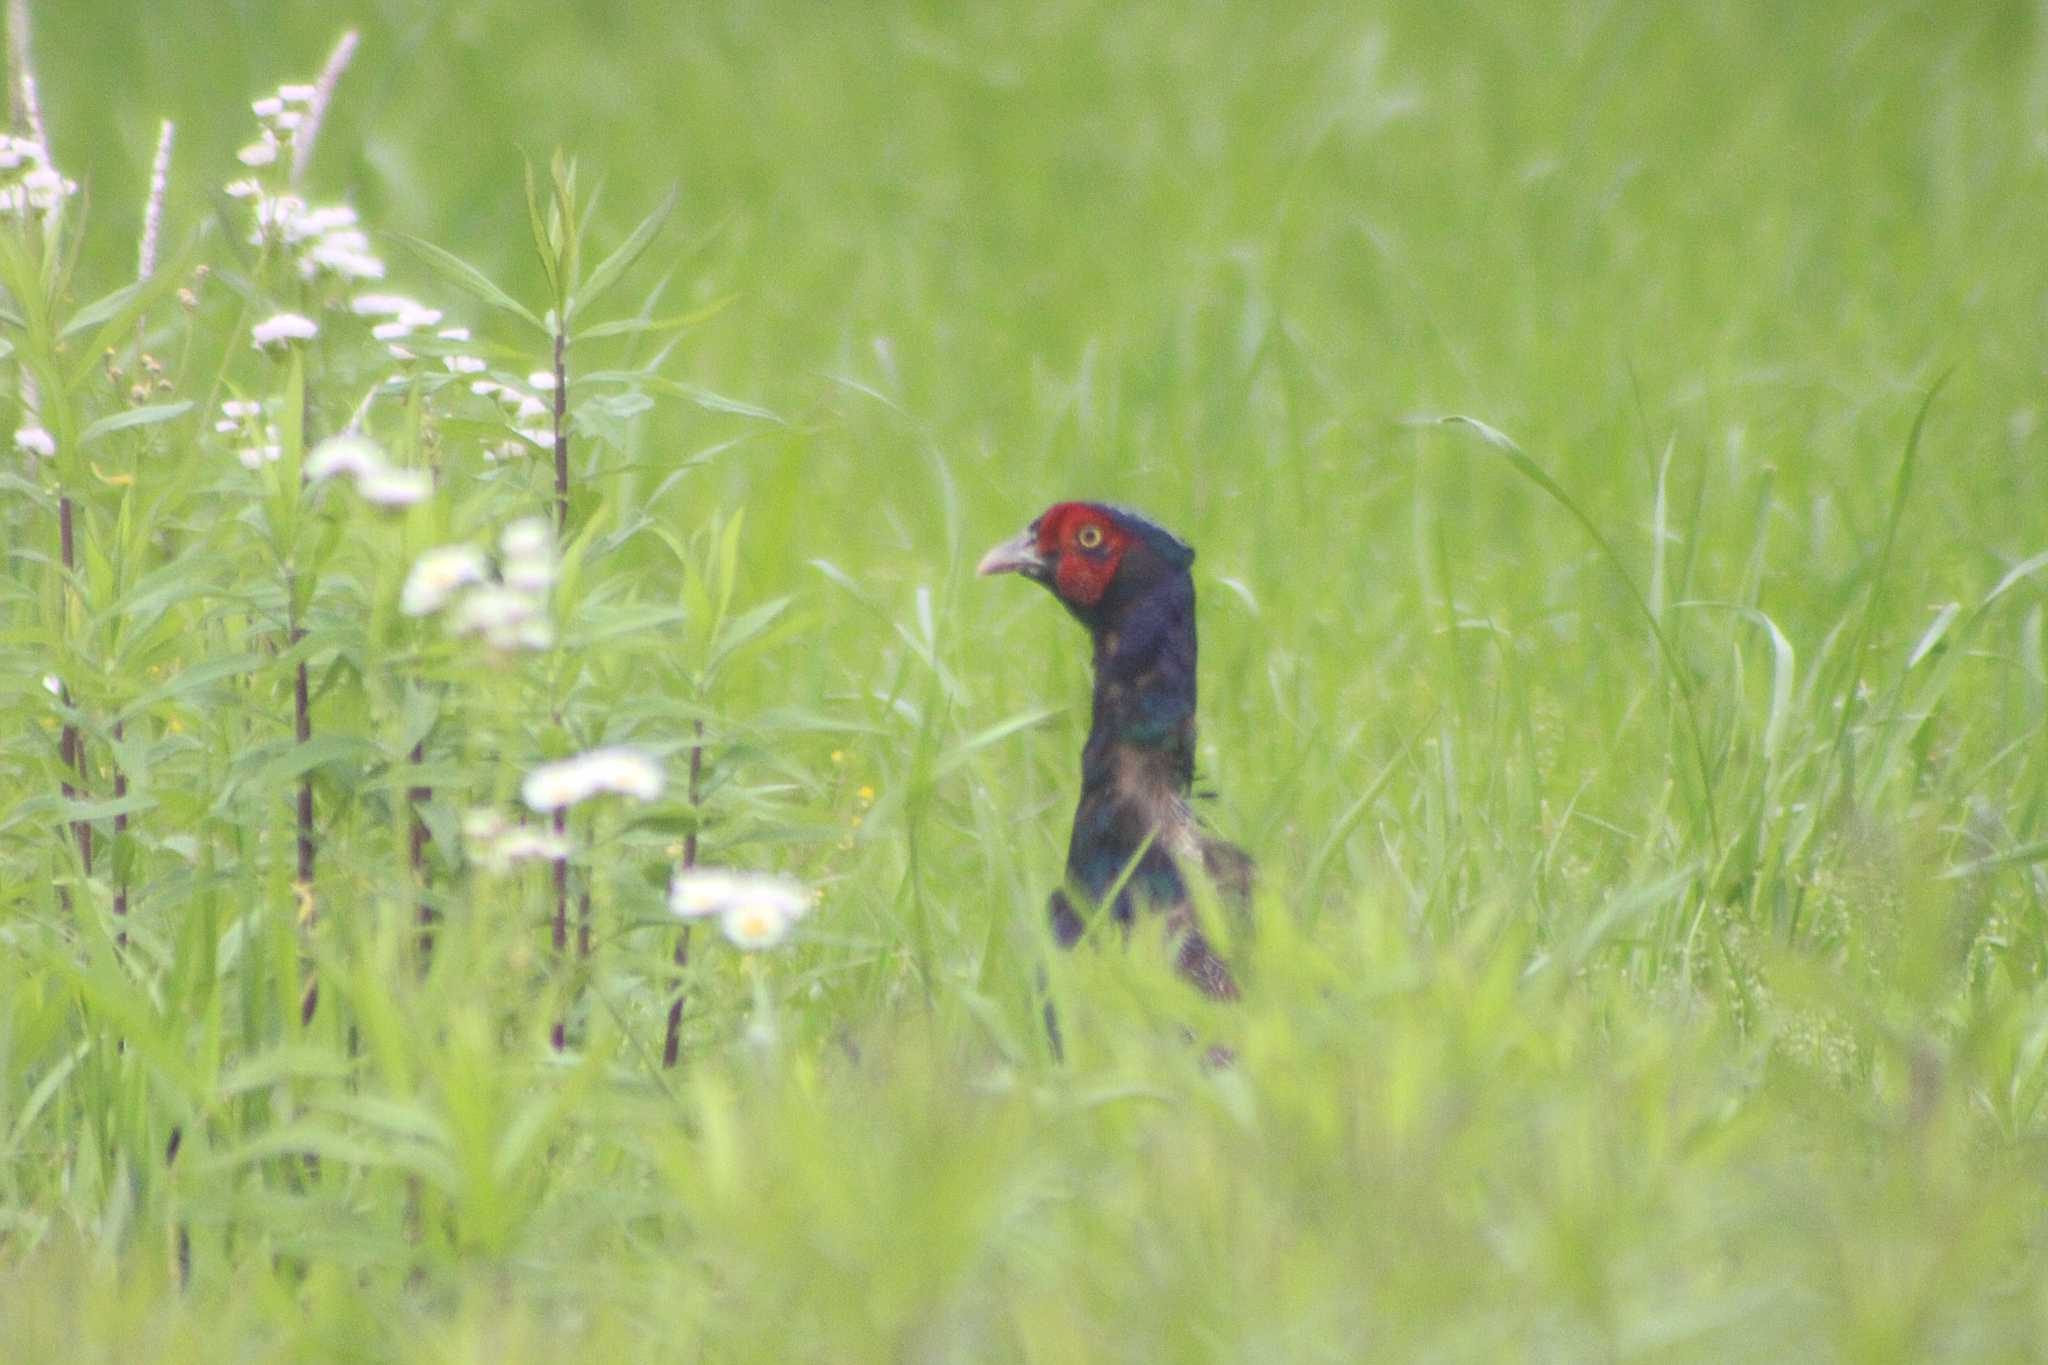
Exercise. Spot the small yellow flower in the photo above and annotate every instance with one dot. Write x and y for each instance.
(839, 755)
(866, 795)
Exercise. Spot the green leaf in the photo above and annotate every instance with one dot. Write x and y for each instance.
(149, 415)
(118, 314)
(702, 397)
(2036, 852)
(469, 279)
(191, 679)
(536, 219)
(619, 262)
(1680, 677)
(637, 326)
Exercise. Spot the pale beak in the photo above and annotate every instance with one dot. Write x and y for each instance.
(1016, 555)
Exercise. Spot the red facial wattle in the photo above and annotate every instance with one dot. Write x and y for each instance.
(1084, 550)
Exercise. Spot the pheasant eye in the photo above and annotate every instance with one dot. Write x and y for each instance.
(1088, 537)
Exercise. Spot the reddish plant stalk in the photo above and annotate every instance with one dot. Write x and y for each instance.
(72, 745)
(416, 853)
(302, 729)
(558, 1035)
(120, 828)
(561, 432)
(672, 1043)
(302, 726)
(561, 435)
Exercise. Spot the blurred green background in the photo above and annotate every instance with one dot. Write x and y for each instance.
(1539, 1059)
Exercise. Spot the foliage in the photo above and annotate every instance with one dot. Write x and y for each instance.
(1645, 765)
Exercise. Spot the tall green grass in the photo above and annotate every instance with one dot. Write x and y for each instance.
(1646, 772)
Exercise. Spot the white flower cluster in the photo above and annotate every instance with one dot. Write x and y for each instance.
(281, 116)
(35, 443)
(403, 321)
(324, 241)
(280, 332)
(755, 910)
(617, 771)
(243, 417)
(500, 845)
(508, 611)
(29, 184)
(376, 479)
(528, 413)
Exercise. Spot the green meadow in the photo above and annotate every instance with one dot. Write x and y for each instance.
(1615, 439)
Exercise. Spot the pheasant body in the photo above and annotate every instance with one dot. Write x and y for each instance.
(1127, 580)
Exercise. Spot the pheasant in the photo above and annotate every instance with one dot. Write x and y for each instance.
(1126, 579)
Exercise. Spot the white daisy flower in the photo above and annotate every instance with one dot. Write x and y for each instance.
(755, 925)
(542, 381)
(241, 408)
(389, 487)
(437, 574)
(695, 892)
(482, 824)
(340, 258)
(528, 538)
(496, 613)
(244, 189)
(329, 218)
(262, 153)
(255, 457)
(35, 441)
(381, 305)
(346, 454)
(283, 330)
(464, 364)
(528, 547)
(525, 844)
(617, 770)
(755, 910)
(297, 94)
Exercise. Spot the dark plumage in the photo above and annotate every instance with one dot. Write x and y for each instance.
(1126, 579)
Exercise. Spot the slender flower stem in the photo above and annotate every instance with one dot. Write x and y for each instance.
(72, 745)
(302, 716)
(417, 838)
(672, 1044)
(120, 829)
(559, 1034)
(561, 433)
(302, 730)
